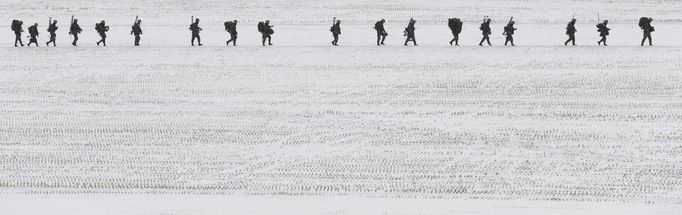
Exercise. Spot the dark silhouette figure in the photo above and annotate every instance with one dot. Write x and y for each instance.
(74, 30)
(645, 24)
(570, 31)
(137, 31)
(266, 31)
(33, 32)
(16, 27)
(485, 29)
(509, 32)
(194, 27)
(603, 32)
(336, 31)
(409, 32)
(102, 29)
(381, 32)
(455, 25)
(231, 27)
(53, 33)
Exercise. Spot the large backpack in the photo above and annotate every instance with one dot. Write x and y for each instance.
(261, 27)
(33, 30)
(452, 23)
(228, 25)
(98, 27)
(643, 21)
(600, 27)
(15, 25)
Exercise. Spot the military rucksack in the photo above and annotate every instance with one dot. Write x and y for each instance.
(643, 21)
(15, 25)
(261, 27)
(33, 30)
(228, 25)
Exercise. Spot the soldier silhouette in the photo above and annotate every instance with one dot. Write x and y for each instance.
(194, 27)
(509, 32)
(455, 25)
(16, 27)
(486, 31)
(74, 30)
(409, 32)
(645, 24)
(266, 31)
(570, 31)
(102, 29)
(53, 33)
(603, 32)
(231, 27)
(336, 31)
(381, 32)
(33, 32)
(137, 31)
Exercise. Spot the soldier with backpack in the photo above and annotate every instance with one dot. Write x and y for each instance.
(485, 29)
(266, 31)
(603, 32)
(102, 29)
(74, 30)
(336, 31)
(33, 32)
(645, 25)
(409, 32)
(455, 25)
(194, 27)
(53, 35)
(231, 27)
(509, 32)
(137, 31)
(570, 31)
(381, 32)
(16, 27)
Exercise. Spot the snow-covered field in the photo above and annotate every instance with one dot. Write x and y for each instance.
(306, 128)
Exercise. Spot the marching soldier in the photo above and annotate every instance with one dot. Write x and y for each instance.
(102, 29)
(455, 25)
(603, 32)
(53, 35)
(570, 31)
(33, 32)
(645, 24)
(509, 32)
(74, 30)
(137, 31)
(16, 27)
(485, 29)
(194, 27)
(266, 31)
(381, 32)
(336, 31)
(231, 28)
(409, 32)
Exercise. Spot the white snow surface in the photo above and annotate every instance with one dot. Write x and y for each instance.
(305, 128)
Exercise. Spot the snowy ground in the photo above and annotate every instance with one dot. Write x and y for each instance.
(357, 129)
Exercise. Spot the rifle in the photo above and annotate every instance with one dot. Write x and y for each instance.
(136, 18)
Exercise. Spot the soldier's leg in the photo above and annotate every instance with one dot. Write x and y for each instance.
(264, 38)
(137, 40)
(456, 39)
(383, 38)
(414, 40)
(234, 41)
(643, 39)
(194, 37)
(482, 40)
(269, 39)
(487, 39)
(650, 42)
(75, 39)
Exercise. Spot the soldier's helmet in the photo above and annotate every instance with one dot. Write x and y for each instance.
(139, 21)
(35, 24)
(75, 20)
(197, 20)
(235, 21)
(54, 21)
(338, 21)
(489, 20)
(512, 22)
(21, 22)
(606, 21)
(383, 20)
(102, 22)
(651, 19)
